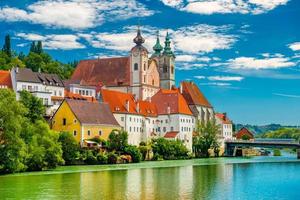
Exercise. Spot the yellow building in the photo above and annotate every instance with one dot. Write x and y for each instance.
(84, 119)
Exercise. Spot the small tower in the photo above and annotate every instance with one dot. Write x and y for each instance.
(167, 65)
(138, 64)
(157, 47)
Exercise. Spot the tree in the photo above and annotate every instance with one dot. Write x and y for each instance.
(12, 147)
(36, 109)
(7, 46)
(39, 47)
(70, 148)
(206, 138)
(117, 140)
(134, 152)
(32, 47)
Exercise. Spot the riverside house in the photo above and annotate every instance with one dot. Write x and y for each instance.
(225, 127)
(85, 120)
(5, 79)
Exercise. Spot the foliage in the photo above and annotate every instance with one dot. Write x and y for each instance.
(25, 145)
(144, 151)
(91, 159)
(205, 139)
(12, 147)
(36, 60)
(276, 152)
(245, 137)
(102, 158)
(36, 109)
(117, 140)
(112, 158)
(169, 149)
(134, 152)
(283, 133)
(98, 140)
(70, 148)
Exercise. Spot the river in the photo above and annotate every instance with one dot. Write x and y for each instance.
(222, 178)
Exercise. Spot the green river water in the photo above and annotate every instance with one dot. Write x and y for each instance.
(216, 178)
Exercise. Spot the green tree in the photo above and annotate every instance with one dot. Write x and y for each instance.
(7, 46)
(117, 140)
(34, 105)
(32, 47)
(206, 138)
(12, 147)
(70, 148)
(134, 152)
(39, 47)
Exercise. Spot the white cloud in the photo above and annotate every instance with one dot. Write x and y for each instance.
(287, 95)
(216, 84)
(64, 42)
(187, 41)
(75, 14)
(260, 63)
(295, 46)
(225, 78)
(199, 77)
(208, 7)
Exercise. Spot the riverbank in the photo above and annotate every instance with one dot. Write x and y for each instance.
(159, 164)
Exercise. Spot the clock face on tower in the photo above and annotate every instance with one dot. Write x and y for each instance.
(135, 53)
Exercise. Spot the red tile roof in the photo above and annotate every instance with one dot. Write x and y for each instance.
(244, 131)
(148, 108)
(106, 71)
(172, 134)
(92, 113)
(170, 102)
(5, 79)
(117, 101)
(223, 117)
(71, 95)
(193, 95)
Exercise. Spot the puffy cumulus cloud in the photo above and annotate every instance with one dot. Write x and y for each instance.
(186, 58)
(225, 78)
(295, 46)
(199, 77)
(64, 42)
(75, 14)
(216, 84)
(208, 7)
(260, 63)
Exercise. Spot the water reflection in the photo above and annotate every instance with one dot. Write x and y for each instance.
(223, 181)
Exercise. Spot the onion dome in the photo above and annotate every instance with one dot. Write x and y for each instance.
(139, 40)
(157, 47)
(167, 49)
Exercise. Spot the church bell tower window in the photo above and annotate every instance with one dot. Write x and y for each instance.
(136, 66)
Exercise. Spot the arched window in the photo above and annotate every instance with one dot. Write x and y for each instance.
(152, 81)
(144, 66)
(172, 69)
(136, 66)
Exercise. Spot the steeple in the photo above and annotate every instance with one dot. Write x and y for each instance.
(138, 40)
(157, 47)
(167, 49)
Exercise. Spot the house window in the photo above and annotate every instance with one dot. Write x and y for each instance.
(122, 119)
(158, 129)
(165, 69)
(75, 121)
(74, 132)
(164, 129)
(54, 92)
(172, 69)
(166, 121)
(36, 88)
(172, 128)
(60, 93)
(89, 132)
(152, 81)
(46, 101)
(136, 66)
(64, 121)
(23, 87)
(100, 133)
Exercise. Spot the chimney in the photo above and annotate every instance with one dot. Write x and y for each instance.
(181, 89)
(127, 105)
(17, 69)
(169, 109)
(138, 107)
(224, 116)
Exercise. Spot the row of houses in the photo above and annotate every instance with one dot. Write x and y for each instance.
(87, 112)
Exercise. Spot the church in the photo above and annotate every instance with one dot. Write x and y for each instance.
(139, 73)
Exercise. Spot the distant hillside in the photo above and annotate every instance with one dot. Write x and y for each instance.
(262, 129)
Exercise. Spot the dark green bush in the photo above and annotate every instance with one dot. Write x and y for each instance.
(102, 158)
(112, 158)
(134, 152)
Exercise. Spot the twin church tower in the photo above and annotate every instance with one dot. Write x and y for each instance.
(149, 74)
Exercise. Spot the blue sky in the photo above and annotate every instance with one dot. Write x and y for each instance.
(243, 54)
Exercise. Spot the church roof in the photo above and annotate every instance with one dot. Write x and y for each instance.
(193, 95)
(106, 71)
(170, 102)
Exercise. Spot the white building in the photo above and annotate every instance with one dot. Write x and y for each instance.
(48, 87)
(225, 127)
(138, 118)
(176, 121)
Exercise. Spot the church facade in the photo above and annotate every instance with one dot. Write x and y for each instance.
(139, 73)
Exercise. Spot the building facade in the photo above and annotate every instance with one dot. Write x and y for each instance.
(225, 126)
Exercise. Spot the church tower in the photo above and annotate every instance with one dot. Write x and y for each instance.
(167, 65)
